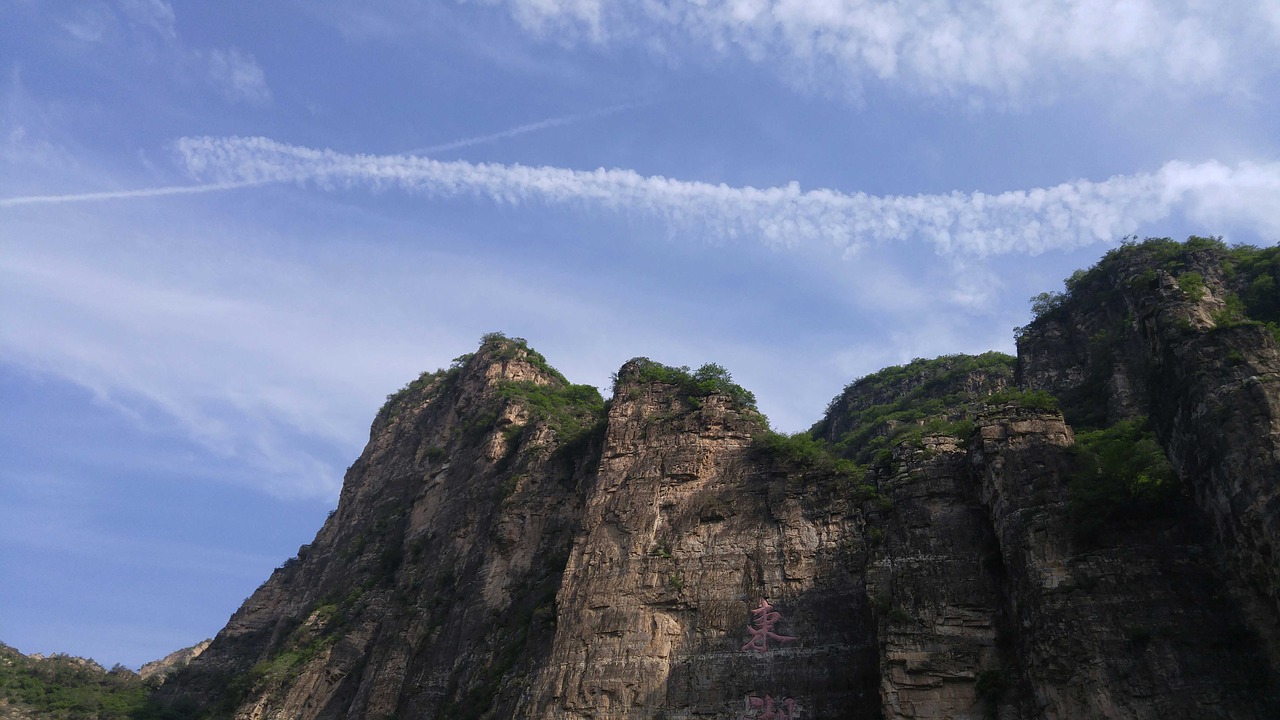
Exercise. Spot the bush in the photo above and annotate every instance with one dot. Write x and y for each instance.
(501, 347)
(1121, 474)
(1192, 283)
(423, 381)
(1046, 303)
(990, 686)
(570, 410)
(710, 379)
(805, 451)
(65, 687)
(1029, 399)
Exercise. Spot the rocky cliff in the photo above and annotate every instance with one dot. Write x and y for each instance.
(158, 671)
(1087, 530)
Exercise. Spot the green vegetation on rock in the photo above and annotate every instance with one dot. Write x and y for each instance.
(495, 345)
(805, 451)
(710, 379)
(66, 688)
(501, 347)
(572, 411)
(1252, 278)
(1029, 399)
(1121, 474)
(814, 457)
(395, 401)
(901, 403)
(1101, 309)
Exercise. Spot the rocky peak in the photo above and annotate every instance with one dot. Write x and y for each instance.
(950, 541)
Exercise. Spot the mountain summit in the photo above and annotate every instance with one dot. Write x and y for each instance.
(1089, 530)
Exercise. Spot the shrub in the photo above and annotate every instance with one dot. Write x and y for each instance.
(710, 379)
(1121, 474)
(1048, 302)
(803, 450)
(422, 382)
(502, 347)
(888, 407)
(1192, 283)
(570, 410)
(990, 686)
(1029, 399)
(65, 687)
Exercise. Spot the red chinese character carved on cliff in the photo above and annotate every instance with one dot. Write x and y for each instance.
(766, 709)
(762, 628)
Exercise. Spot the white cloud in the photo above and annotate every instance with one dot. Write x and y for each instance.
(1004, 49)
(155, 14)
(238, 75)
(1031, 221)
(135, 341)
(192, 325)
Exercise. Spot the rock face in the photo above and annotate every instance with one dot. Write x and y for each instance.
(683, 535)
(1208, 378)
(161, 669)
(510, 546)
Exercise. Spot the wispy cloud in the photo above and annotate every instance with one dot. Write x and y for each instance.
(89, 24)
(522, 130)
(1071, 214)
(1004, 50)
(152, 350)
(155, 14)
(122, 194)
(238, 75)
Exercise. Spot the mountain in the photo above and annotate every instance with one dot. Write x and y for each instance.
(1088, 530)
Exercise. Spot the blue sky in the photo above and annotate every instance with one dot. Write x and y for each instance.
(229, 230)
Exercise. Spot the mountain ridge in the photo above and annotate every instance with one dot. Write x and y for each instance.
(1086, 530)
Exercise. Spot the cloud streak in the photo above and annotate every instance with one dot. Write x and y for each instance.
(1004, 50)
(122, 194)
(1031, 221)
(521, 130)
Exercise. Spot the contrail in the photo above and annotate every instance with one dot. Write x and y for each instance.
(522, 129)
(126, 194)
(1035, 220)
(216, 187)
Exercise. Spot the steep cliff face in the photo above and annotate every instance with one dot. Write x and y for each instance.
(944, 544)
(430, 591)
(685, 533)
(1138, 625)
(1160, 330)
